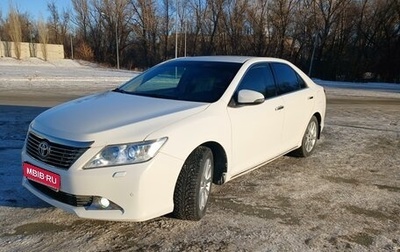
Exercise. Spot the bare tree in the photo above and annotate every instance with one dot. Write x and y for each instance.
(82, 17)
(146, 28)
(165, 26)
(84, 51)
(197, 14)
(209, 19)
(349, 37)
(54, 23)
(281, 19)
(234, 20)
(14, 31)
(257, 31)
(43, 38)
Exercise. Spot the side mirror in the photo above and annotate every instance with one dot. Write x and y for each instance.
(250, 97)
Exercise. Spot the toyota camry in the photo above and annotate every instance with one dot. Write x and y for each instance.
(156, 144)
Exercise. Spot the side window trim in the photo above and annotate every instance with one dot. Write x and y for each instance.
(268, 65)
(301, 81)
(271, 69)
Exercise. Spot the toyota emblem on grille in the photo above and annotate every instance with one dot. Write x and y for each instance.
(44, 149)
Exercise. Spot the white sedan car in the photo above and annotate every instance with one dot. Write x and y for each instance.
(156, 144)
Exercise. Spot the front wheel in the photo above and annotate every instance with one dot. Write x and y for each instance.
(309, 139)
(193, 187)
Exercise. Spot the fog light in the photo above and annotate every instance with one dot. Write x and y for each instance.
(101, 203)
(104, 203)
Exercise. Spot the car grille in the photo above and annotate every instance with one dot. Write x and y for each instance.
(70, 199)
(57, 155)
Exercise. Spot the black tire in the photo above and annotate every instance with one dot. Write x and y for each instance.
(193, 187)
(309, 140)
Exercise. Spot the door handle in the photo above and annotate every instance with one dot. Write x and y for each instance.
(279, 108)
(311, 97)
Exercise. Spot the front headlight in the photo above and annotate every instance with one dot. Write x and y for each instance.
(126, 153)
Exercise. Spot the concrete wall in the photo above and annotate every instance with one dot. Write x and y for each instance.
(54, 52)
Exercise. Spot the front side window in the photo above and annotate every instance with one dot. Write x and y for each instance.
(259, 78)
(287, 79)
(197, 81)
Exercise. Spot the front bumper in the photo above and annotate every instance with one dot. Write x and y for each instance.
(141, 191)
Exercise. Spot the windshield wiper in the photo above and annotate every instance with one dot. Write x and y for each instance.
(118, 90)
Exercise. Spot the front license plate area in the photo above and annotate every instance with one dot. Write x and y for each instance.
(42, 176)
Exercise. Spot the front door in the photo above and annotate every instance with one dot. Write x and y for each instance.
(256, 129)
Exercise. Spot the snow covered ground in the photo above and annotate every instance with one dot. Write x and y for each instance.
(63, 78)
(346, 196)
(372, 86)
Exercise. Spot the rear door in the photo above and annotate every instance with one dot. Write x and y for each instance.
(299, 102)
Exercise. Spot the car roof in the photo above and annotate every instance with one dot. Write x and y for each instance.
(223, 58)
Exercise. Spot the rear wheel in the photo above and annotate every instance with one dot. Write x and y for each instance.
(193, 187)
(309, 139)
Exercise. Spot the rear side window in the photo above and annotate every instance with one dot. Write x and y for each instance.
(287, 79)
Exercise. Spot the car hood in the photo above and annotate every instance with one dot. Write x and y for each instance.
(112, 117)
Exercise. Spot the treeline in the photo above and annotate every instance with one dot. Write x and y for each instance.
(340, 39)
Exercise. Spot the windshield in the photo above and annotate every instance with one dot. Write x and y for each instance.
(184, 80)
